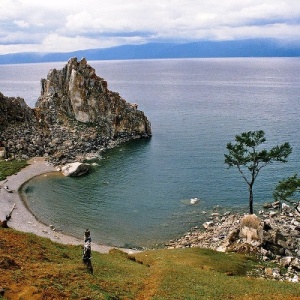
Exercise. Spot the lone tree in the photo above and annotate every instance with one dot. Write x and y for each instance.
(246, 155)
(289, 190)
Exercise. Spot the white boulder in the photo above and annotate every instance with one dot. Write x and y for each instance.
(75, 169)
(194, 200)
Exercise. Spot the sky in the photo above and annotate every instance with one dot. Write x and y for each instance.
(69, 25)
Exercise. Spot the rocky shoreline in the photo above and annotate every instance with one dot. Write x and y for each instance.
(273, 236)
(75, 115)
(61, 145)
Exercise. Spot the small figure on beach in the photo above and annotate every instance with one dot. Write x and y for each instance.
(6, 188)
(87, 250)
(3, 224)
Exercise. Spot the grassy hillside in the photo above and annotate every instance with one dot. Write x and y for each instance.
(36, 268)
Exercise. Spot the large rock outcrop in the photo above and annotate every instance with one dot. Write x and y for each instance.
(77, 93)
(75, 114)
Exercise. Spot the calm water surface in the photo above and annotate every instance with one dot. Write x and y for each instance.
(139, 194)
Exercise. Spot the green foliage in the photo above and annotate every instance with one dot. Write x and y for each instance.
(246, 154)
(11, 167)
(288, 190)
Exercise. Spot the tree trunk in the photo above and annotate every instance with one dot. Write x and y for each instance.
(250, 200)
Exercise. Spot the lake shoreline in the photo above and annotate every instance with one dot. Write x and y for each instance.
(22, 218)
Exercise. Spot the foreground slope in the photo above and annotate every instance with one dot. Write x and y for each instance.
(36, 268)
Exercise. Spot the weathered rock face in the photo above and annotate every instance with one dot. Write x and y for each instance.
(14, 110)
(77, 93)
(75, 115)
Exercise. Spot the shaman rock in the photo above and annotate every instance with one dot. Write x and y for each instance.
(75, 115)
(77, 93)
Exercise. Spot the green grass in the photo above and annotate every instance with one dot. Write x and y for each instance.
(53, 270)
(205, 274)
(11, 167)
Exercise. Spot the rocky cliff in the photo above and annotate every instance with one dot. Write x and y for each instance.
(76, 114)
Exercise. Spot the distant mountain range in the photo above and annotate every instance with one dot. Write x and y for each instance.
(203, 49)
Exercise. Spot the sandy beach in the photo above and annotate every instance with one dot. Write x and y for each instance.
(22, 219)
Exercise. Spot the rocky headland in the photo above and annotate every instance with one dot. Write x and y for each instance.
(75, 115)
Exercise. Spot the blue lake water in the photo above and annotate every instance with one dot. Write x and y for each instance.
(139, 194)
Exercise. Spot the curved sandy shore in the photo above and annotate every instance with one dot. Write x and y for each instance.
(22, 219)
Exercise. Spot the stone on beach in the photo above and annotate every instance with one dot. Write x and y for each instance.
(75, 169)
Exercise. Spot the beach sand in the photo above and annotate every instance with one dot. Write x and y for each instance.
(22, 219)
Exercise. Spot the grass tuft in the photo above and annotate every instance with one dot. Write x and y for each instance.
(11, 167)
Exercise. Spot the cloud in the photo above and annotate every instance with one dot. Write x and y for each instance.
(21, 23)
(57, 43)
(67, 25)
